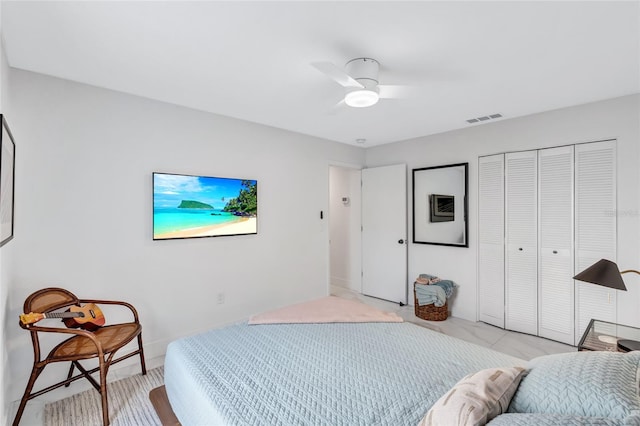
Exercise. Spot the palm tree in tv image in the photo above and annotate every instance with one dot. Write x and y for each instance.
(246, 203)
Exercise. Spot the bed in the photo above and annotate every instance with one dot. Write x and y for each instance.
(365, 373)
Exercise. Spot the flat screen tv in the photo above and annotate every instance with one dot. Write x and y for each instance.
(186, 206)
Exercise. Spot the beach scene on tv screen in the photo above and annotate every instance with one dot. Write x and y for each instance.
(199, 206)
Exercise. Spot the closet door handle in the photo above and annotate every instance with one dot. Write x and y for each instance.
(555, 252)
(520, 249)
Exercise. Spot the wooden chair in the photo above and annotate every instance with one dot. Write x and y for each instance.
(101, 343)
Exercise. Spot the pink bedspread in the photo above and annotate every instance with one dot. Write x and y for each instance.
(327, 309)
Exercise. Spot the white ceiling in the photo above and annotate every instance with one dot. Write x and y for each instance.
(250, 60)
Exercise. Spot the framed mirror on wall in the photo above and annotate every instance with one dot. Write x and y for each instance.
(440, 205)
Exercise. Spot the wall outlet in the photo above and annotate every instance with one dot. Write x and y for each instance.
(220, 298)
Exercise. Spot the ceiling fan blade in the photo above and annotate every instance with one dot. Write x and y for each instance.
(336, 74)
(395, 92)
(337, 108)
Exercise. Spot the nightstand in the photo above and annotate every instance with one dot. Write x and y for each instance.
(608, 336)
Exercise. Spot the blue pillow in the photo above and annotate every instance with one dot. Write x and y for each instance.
(591, 384)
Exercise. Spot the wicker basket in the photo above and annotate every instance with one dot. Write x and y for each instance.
(430, 312)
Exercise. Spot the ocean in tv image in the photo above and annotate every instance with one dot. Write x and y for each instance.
(198, 206)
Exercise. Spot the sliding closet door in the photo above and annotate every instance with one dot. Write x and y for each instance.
(491, 240)
(521, 263)
(555, 244)
(595, 229)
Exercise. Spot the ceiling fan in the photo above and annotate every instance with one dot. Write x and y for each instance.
(360, 79)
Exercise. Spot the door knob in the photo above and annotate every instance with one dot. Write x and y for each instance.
(401, 241)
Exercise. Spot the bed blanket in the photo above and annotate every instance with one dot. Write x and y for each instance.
(317, 374)
(326, 309)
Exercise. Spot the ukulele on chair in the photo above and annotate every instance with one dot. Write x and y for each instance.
(88, 317)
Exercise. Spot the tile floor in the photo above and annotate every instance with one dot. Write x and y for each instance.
(516, 344)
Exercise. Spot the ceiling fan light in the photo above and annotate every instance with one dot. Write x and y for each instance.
(361, 98)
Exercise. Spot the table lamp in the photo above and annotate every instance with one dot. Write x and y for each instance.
(606, 273)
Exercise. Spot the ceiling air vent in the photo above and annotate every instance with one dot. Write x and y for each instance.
(484, 118)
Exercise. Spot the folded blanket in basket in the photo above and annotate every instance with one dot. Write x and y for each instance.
(447, 286)
(427, 279)
(428, 294)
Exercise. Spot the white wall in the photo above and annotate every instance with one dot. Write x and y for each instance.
(4, 365)
(5, 266)
(84, 211)
(616, 118)
(344, 225)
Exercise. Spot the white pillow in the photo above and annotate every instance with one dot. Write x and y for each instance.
(476, 399)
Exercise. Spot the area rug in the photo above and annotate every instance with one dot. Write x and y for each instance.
(129, 404)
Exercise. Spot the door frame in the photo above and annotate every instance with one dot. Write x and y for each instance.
(351, 166)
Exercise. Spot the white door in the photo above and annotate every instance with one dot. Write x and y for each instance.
(595, 229)
(521, 263)
(384, 232)
(555, 244)
(491, 240)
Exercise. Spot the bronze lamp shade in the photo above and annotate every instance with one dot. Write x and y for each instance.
(605, 273)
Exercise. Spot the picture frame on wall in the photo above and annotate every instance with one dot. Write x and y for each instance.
(442, 208)
(7, 182)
